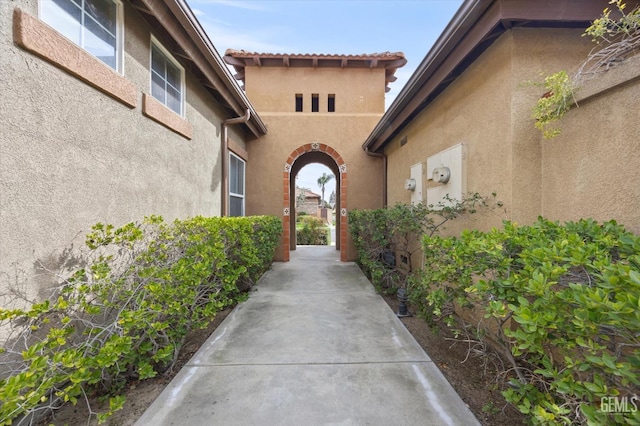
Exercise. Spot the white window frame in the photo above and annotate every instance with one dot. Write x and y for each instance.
(244, 182)
(119, 53)
(174, 62)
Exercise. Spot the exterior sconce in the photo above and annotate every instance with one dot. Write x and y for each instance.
(441, 174)
(410, 184)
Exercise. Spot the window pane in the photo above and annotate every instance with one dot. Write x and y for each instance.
(173, 75)
(93, 28)
(233, 174)
(166, 80)
(157, 61)
(100, 43)
(64, 16)
(104, 12)
(173, 99)
(236, 186)
(236, 206)
(240, 189)
(157, 87)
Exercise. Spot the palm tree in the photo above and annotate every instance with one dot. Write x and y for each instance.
(322, 181)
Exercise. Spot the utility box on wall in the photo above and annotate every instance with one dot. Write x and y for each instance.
(447, 171)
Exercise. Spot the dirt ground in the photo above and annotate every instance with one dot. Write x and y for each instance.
(475, 385)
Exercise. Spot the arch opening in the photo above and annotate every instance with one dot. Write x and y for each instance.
(303, 156)
(301, 164)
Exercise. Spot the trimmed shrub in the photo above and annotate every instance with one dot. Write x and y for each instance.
(560, 302)
(382, 236)
(312, 232)
(125, 313)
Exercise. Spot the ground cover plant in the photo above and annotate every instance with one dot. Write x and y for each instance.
(123, 311)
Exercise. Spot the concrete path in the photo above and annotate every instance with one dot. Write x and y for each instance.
(313, 345)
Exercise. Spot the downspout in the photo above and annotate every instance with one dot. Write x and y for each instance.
(384, 179)
(225, 157)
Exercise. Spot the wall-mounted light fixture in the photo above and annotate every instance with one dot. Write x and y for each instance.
(446, 170)
(410, 184)
(441, 174)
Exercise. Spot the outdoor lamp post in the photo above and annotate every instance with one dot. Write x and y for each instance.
(402, 309)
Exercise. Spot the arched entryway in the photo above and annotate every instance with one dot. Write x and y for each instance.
(314, 153)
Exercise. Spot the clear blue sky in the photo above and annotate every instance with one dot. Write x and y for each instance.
(328, 27)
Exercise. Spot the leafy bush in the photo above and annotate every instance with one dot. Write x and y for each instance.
(312, 232)
(124, 314)
(560, 301)
(383, 236)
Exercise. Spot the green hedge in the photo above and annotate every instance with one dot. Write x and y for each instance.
(560, 301)
(387, 239)
(312, 231)
(125, 313)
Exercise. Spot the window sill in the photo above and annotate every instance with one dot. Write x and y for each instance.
(36, 37)
(163, 115)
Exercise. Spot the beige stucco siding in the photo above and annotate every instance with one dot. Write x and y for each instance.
(536, 53)
(593, 168)
(488, 109)
(268, 156)
(72, 156)
(359, 95)
(600, 138)
(274, 88)
(475, 111)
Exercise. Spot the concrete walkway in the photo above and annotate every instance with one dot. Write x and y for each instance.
(313, 345)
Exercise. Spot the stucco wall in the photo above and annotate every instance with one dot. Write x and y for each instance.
(592, 169)
(267, 158)
(72, 156)
(488, 109)
(356, 90)
(536, 53)
(272, 91)
(474, 111)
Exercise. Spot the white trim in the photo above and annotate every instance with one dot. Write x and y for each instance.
(183, 89)
(119, 36)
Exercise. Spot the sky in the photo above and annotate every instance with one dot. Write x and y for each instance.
(344, 27)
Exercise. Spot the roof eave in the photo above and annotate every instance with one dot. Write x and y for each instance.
(177, 19)
(475, 23)
(388, 61)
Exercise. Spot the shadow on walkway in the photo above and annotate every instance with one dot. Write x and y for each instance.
(313, 345)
